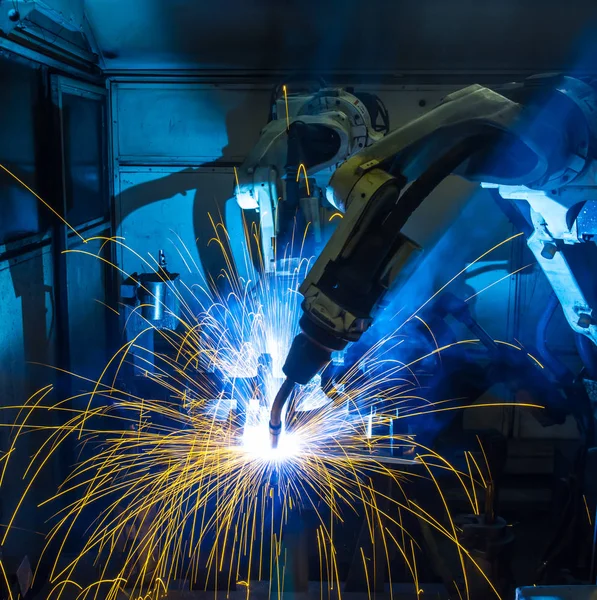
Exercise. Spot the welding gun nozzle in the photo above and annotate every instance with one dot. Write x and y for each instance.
(274, 433)
(275, 421)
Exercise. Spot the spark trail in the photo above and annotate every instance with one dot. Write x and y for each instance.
(181, 485)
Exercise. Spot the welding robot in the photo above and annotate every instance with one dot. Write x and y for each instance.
(287, 172)
(535, 142)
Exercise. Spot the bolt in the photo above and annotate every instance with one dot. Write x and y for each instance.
(549, 250)
(356, 118)
(360, 144)
(584, 320)
(422, 102)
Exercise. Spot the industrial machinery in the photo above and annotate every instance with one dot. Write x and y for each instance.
(149, 298)
(307, 136)
(535, 142)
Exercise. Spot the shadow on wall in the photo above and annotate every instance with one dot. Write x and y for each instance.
(208, 200)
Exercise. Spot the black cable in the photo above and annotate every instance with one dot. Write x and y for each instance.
(376, 109)
(385, 117)
(419, 189)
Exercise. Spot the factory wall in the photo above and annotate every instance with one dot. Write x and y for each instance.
(174, 146)
(48, 299)
(27, 309)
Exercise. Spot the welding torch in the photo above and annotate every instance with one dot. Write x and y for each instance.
(378, 189)
(307, 356)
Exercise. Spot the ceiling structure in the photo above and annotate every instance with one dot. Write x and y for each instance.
(356, 36)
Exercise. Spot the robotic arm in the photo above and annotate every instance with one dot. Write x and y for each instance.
(535, 148)
(307, 136)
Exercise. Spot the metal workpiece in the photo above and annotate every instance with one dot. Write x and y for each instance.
(158, 300)
(154, 296)
(151, 303)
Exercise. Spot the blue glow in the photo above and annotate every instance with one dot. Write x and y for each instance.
(312, 396)
(245, 197)
(331, 198)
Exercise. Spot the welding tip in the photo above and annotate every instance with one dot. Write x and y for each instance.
(274, 434)
(275, 420)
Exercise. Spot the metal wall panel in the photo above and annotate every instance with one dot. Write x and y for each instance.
(87, 310)
(175, 211)
(31, 290)
(186, 123)
(20, 213)
(27, 339)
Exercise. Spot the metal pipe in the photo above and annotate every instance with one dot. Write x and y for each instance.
(275, 419)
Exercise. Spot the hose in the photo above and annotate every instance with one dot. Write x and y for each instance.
(275, 419)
